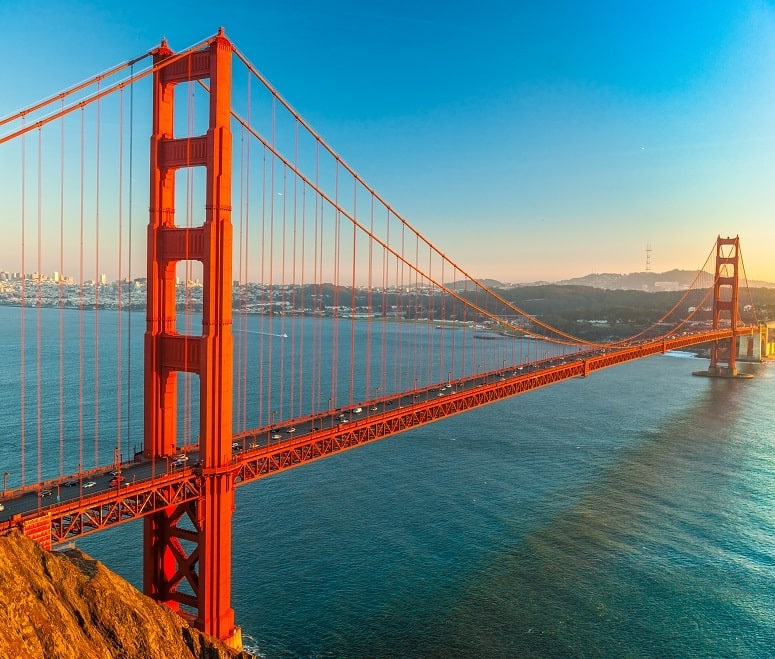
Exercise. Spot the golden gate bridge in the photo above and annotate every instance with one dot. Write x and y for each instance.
(290, 314)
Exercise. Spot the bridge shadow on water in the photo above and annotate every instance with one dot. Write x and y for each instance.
(661, 555)
(636, 528)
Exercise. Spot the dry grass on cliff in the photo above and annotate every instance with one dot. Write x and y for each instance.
(60, 605)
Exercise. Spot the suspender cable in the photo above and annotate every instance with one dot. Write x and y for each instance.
(352, 303)
(97, 283)
(120, 255)
(270, 385)
(369, 301)
(282, 331)
(22, 314)
(241, 316)
(247, 252)
(129, 278)
(81, 307)
(261, 381)
(296, 366)
(61, 297)
(38, 304)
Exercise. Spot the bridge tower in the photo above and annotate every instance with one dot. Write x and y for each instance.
(725, 300)
(189, 544)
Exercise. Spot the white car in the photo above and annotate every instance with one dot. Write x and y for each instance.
(89, 484)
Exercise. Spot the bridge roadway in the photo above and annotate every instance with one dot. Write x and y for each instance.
(80, 504)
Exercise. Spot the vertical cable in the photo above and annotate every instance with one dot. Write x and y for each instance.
(352, 298)
(38, 305)
(129, 275)
(247, 248)
(261, 382)
(81, 306)
(369, 300)
(97, 284)
(23, 366)
(295, 368)
(240, 311)
(120, 246)
(61, 296)
(270, 388)
(282, 332)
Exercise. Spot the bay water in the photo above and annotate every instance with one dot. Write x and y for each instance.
(627, 514)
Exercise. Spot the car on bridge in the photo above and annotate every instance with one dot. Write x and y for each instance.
(116, 480)
(89, 484)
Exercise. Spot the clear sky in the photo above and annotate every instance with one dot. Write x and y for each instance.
(528, 140)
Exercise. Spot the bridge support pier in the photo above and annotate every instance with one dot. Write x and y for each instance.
(723, 356)
(187, 546)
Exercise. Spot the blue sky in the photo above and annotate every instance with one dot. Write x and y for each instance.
(529, 141)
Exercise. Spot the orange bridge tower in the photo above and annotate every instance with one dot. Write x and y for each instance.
(725, 306)
(187, 546)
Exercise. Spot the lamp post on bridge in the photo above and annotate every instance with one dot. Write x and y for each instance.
(5, 481)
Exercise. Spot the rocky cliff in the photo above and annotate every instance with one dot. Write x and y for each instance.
(66, 604)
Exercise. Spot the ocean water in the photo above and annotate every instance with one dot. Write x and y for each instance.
(628, 514)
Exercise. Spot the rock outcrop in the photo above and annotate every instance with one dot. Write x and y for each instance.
(66, 604)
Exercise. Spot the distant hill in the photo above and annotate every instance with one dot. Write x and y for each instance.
(672, 280)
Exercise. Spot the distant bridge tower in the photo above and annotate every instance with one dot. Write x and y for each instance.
(648, 257)
(725, 300)
(189, 544)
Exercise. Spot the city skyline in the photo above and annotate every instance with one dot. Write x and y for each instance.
(528, 143)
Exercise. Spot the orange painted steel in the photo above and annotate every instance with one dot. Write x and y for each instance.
(725, 301)
(125, 503)
(206, 569)
(182, 491)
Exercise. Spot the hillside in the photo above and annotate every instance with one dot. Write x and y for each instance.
(671, 280)
(60, 605)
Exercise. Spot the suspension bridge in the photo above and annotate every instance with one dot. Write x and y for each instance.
(289, 313)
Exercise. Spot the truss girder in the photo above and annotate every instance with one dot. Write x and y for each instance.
(78, 517)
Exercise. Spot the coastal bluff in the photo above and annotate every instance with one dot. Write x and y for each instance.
(65, 604)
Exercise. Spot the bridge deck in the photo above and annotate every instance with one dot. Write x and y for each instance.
(150, 486)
